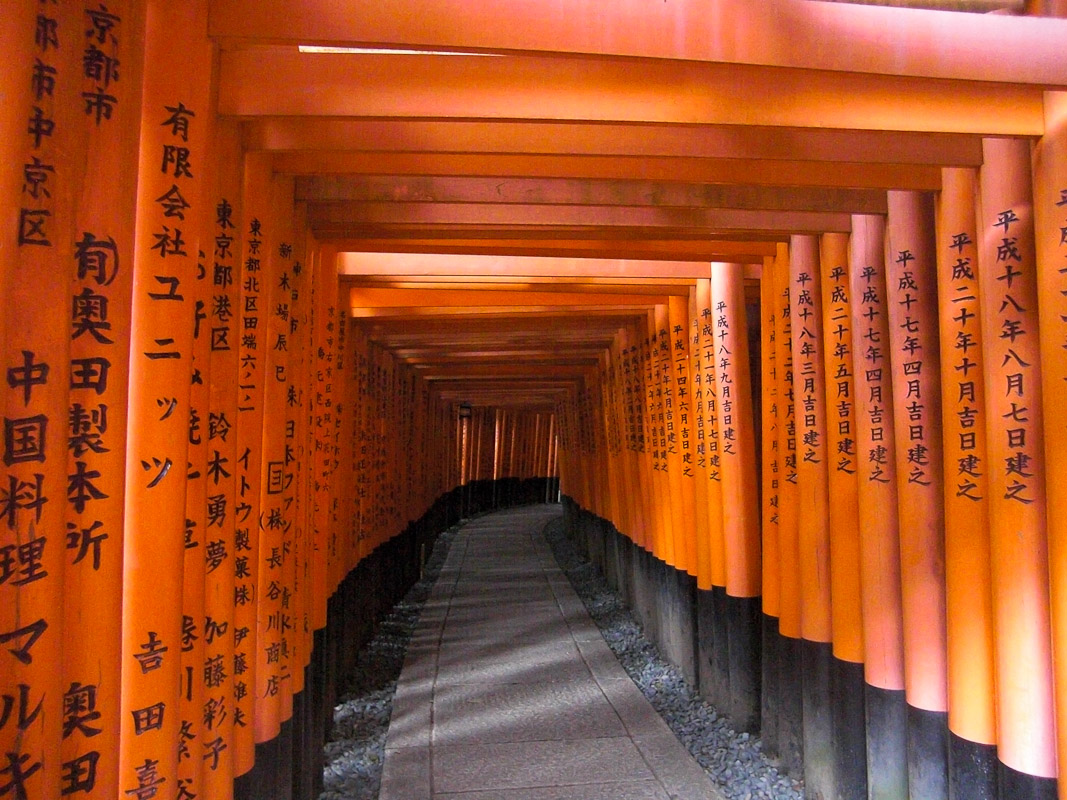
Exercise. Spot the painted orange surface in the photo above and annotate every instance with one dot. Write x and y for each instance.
(1050, 178)
(968, 584)
(772, 464)
(812, 454)
(174, 129)
(789, 618)
(843, 465)
(736, 434)
(911, 297)
(883, 626)
(1026, 738)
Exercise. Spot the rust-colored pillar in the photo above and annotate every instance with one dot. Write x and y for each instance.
(174, 129)
(846, 668)
(1026, 731)
(968, 589)
(790, 676)
(37, 257)
(813, 518)
(1050, 220)
(887, 763)
(739, 491)
(712, 627)
(772, 473)
(911, 295)
(221, 457)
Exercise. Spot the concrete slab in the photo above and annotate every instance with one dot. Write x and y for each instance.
(461, 768)
(508, 689)
(559, 710)
(630, 790)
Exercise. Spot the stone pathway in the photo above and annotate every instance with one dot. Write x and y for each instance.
(508, 689)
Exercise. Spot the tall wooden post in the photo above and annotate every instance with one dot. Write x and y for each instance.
(809, 390)
(1050, 220)
(37, 255)
(772, 476)
(911, 281)
(1015, 426)
(790, 678)
(883, 627)
(968, 588)
(846, 668)
(177, 82)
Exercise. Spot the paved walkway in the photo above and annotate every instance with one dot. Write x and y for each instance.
(509, 690)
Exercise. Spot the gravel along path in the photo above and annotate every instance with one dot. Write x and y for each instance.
(734, 761)
(356, 749)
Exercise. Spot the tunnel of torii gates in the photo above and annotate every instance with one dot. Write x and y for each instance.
(777, 290)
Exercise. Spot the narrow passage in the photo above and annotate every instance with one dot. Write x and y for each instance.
(508, 686)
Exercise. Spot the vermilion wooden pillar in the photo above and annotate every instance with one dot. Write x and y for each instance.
(790, 677)
(174, 128)
(664, 543)
(739, 489)
(772, 475)
(680, 439)
(698, 449)
(192, 739)
(712, 440)
(37, 257)
(273, 618)
(1050, 220)
(96, 422)
(1017, 513)
(887, 764)
(809, 400)
(911, 296)
(846, 668)
(252, 243)
(968, 589)
(222, 327)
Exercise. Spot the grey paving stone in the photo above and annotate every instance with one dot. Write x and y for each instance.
(406, 774)
(676, 770)
(410, 724)
(471, 714)
(630, 790)
(535, 666)
(461, 768)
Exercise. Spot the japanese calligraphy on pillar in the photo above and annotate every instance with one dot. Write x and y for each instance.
(174, 130)
(739, 489)
(96, 421)
(788, 547)
(36, 352)
(911, 290)
(274, 620)
(877, 491)
(221, 562)
(1050, 219)
(809, 386)
(248, 433)
(771, 464)
(842, 477)
(1015, 444)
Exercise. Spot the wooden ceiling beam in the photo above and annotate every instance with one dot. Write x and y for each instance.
(422, 190)
(756, 142)
(783, 33)
(846, 175)
(284, 82)
(343, 216)
(695, 253)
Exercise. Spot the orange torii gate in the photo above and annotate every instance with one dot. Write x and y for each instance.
(274, 318)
